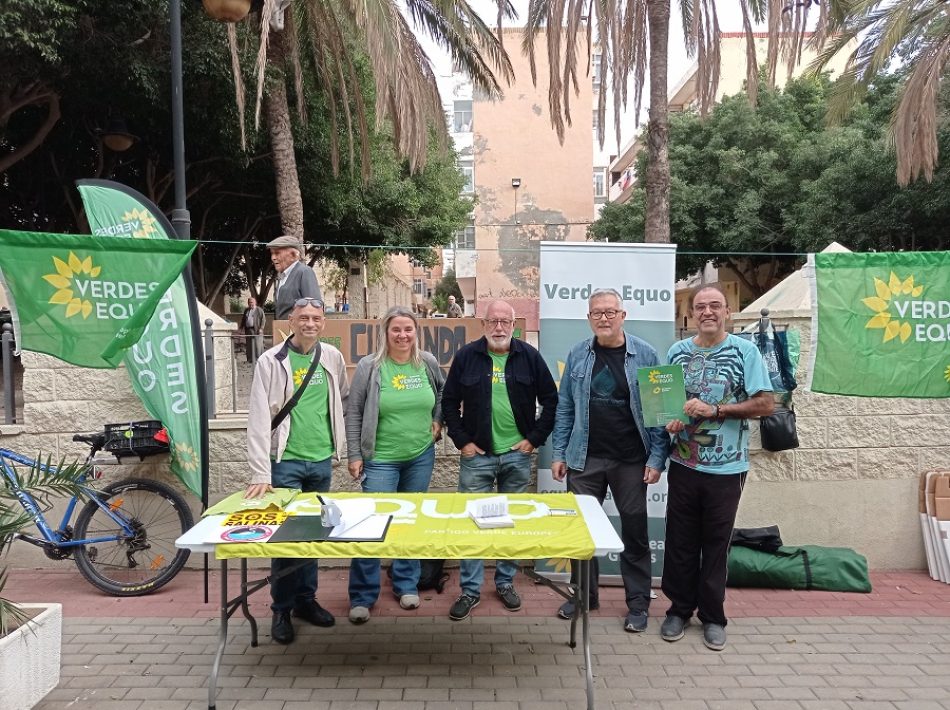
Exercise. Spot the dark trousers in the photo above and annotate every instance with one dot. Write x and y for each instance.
(630, 496)
(298, 587)
(700, 514)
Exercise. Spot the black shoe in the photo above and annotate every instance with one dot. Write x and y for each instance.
(567, 608)
(463, 607)
(315, 614)
(636, 622)
(673, 628)
(509, 597)
(281, 630)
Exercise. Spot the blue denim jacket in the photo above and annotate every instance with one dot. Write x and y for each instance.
(572, 421)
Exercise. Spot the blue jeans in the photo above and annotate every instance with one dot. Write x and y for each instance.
(477, 474)
(411, 476)
(299, 586)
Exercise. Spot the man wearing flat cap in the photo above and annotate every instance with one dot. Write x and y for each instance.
(295, 280)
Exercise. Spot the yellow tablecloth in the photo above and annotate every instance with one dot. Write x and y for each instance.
(435, 525)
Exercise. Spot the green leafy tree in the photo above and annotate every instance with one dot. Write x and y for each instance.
(774, 179)
(448, 286)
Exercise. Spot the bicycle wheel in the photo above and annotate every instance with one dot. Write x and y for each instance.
(137, 564)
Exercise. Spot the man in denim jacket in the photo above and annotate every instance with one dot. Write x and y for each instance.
(600, 440)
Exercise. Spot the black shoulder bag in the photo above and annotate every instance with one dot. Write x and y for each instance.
(292, 402)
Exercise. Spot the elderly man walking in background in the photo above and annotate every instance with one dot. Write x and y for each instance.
(252, 325)
(600, 441)
(490, 405)
(295, 280)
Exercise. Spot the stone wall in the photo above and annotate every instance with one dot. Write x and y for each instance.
(853, 480)
(851, 483)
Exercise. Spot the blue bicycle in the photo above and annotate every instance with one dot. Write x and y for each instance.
(123, 541)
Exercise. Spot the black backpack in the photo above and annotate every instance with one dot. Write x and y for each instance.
(766, 539)
(432, 576)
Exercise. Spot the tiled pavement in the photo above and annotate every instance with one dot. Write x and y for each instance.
(788, 650)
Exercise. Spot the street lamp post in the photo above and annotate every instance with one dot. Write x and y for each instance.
(181, 219)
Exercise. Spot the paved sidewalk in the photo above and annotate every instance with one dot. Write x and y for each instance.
(788, 650)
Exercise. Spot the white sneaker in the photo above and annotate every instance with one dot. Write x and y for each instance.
(359, 615)
(409, 601)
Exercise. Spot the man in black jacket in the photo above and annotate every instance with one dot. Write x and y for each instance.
(490, 407)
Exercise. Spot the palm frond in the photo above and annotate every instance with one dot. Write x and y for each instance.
(11, 615)
(239, 96)
(914, 128)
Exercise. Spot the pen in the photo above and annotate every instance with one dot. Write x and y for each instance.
(561, 511)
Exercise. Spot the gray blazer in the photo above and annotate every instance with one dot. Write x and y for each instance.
(301, 283)
(362, 407)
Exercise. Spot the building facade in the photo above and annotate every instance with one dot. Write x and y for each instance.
(526, 185)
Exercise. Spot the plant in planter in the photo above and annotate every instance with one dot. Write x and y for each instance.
(30, 634)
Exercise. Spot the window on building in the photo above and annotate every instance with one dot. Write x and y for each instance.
(418, 286)
(595, 71)
(468, 172)
(462, 123)
(600, 183)
(594, 121)
(465, 238)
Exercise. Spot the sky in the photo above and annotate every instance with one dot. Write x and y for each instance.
(730, 20)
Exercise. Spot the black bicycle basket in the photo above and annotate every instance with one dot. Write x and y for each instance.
(135, 439)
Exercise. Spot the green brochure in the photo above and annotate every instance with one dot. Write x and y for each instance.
(662, 394)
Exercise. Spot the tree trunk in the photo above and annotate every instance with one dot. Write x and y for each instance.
(289, 199)
(657, 182)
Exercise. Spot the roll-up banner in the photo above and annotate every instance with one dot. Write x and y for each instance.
(644, 274)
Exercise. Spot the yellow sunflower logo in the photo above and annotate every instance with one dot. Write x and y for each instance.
(399, 382)
(63, 281)
(299, 374)
(146, 223)
(654, 377)
(881, 305)
(185, 457)
(560, 564)
(946, 374)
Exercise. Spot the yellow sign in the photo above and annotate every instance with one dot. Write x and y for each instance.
(256, 517)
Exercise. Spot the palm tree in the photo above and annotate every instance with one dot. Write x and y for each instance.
(918, 31)
(633, 39)
(331, 33)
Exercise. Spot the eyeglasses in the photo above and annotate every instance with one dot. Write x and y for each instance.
(608, 314)
(495, 322)
(714, 307)
(315, 302)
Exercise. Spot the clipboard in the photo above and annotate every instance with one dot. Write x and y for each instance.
(309, 528)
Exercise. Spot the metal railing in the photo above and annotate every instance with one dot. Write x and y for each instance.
(9, 365)
(240, 349)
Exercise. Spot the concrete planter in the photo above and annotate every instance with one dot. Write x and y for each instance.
(29, 658)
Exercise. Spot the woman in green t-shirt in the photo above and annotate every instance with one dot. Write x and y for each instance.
(393, 419)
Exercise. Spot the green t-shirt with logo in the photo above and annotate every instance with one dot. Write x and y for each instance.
(504, 430)
(310, 437)
(406, 401)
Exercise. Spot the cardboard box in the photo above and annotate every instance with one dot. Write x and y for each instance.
(942, 496)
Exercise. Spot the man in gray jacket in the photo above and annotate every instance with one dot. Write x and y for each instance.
(299, 451)
(295, 279)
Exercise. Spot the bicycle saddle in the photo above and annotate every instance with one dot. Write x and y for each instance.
(97, 439)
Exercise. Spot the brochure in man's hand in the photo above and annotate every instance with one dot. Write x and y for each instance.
(662, 394)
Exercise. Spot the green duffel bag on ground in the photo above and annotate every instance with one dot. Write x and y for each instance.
(832, 569)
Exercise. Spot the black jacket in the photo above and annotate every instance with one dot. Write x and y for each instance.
(466, 398)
